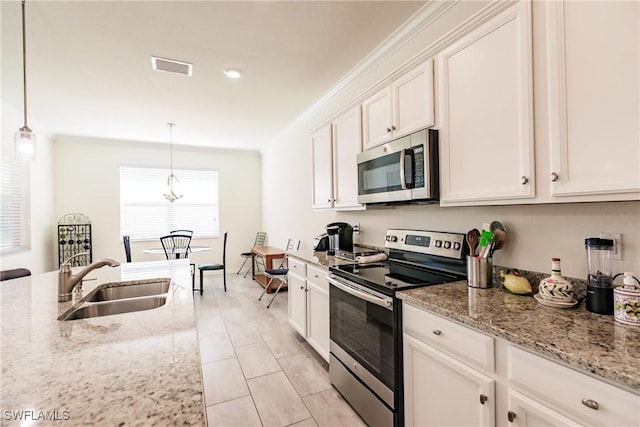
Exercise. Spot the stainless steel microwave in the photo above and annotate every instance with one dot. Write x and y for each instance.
(400, 171)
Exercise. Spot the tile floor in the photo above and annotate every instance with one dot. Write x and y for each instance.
(256, 370)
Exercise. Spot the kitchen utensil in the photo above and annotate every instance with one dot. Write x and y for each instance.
(479, 272)
(499, 238)
(600, 280)
(473, 238)
(497, 225)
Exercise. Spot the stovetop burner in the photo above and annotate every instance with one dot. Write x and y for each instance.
(416, 259)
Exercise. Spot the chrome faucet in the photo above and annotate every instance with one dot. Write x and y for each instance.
(68, 281)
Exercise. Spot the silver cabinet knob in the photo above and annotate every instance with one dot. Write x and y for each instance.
(437, 332)
(511, 416)
(524, 180)
(554, 177)
(589, 403)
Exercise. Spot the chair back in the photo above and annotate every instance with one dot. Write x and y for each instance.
(176, 245)
(126, 240)
(292, 245)
(187, 232)
(224, 250)
(261, 236)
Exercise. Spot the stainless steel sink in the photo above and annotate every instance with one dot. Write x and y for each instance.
(134, 290)
(116, 307)
(121, 297)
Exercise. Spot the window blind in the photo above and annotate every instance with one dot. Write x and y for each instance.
(15, 215)
(146, 215)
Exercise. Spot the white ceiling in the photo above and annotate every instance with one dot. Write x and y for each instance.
(89, 68)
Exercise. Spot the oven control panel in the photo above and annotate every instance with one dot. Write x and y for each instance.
(450, 245)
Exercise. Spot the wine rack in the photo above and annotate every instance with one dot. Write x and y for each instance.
(74, 237)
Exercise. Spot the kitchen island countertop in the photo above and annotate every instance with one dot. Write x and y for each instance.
(588, 342)
(140, 368)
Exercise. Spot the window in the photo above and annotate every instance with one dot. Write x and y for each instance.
(15, 215)
(146, 215)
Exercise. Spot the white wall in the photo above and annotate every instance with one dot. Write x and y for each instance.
(38, 257)
(536, 233)
(87, 181)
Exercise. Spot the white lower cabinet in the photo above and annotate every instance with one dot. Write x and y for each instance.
(309, 304)
(450, 379)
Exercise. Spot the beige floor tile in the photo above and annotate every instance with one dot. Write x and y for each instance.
(256, 360)
(239, 412)
(243, 334)
(215, 347)
(306, 375)
(277, 402)
(236, 315)
(329, 409)
(282, 342)
(305, 423)
(222, 381)
(211, 325)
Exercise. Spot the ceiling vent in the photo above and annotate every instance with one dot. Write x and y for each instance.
(171, 65)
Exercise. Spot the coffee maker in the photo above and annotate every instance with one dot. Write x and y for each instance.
(340, 237)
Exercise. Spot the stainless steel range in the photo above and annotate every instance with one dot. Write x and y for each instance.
(366, 317)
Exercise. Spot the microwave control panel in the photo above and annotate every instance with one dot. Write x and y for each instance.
(443, 244)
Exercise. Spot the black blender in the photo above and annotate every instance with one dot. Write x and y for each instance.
(600, 280)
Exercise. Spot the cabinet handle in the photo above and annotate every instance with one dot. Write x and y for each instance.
(393, 128)
(589, 403)
(524, 180)
(511, 416)
(301, 287)
(437, 332)
(483, 399)
(554, 177)
(388, 130)
(328, 200)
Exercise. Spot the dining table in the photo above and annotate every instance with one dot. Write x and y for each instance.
(269, 254)
(178, 252)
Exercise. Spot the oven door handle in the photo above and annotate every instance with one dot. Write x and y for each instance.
(388, 304)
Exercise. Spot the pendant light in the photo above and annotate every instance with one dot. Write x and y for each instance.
(25, 140)
(172, 192)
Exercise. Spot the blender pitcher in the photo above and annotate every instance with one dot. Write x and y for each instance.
(600, 280)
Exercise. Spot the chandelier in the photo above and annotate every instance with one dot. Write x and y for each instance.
(172, 193)
(25, 140)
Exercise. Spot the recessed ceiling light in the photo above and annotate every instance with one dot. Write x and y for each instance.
(232, 73)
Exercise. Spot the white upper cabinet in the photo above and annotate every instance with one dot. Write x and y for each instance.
(403, 107)
(322, 168)
(593, 94)
(485, 108)
(335, 169)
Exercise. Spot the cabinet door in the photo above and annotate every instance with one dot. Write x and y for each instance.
(439, 390)
(318, 313)
(524, 411)
(297, 290)
(322, 168)
(486, 111)
(376, 119)
(347, 143)
(413, 100)
(594, 92)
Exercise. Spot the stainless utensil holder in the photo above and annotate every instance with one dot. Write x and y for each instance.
(479, 272)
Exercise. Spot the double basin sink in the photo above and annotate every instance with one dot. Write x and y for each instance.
(121, 297)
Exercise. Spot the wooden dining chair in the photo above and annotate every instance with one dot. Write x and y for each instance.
(280, 272)
(213, 267)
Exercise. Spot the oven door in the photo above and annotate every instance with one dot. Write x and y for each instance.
(361, 334)
(385, 173)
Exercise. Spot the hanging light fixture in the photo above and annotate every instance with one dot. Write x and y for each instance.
(25, 140)
(172, 192)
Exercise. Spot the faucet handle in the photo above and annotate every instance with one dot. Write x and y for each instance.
(67, 262)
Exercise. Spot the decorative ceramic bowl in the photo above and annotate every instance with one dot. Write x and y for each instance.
(556, 290)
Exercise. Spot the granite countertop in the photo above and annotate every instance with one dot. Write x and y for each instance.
(140, 368)
(319, 258)
(586, 341)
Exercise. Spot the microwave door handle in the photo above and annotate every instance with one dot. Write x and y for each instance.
(403, 178)
(369, 298)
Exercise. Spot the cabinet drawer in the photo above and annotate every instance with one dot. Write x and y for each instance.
(572, 392)
(456, 340)
(297, 266)
(317, 276)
